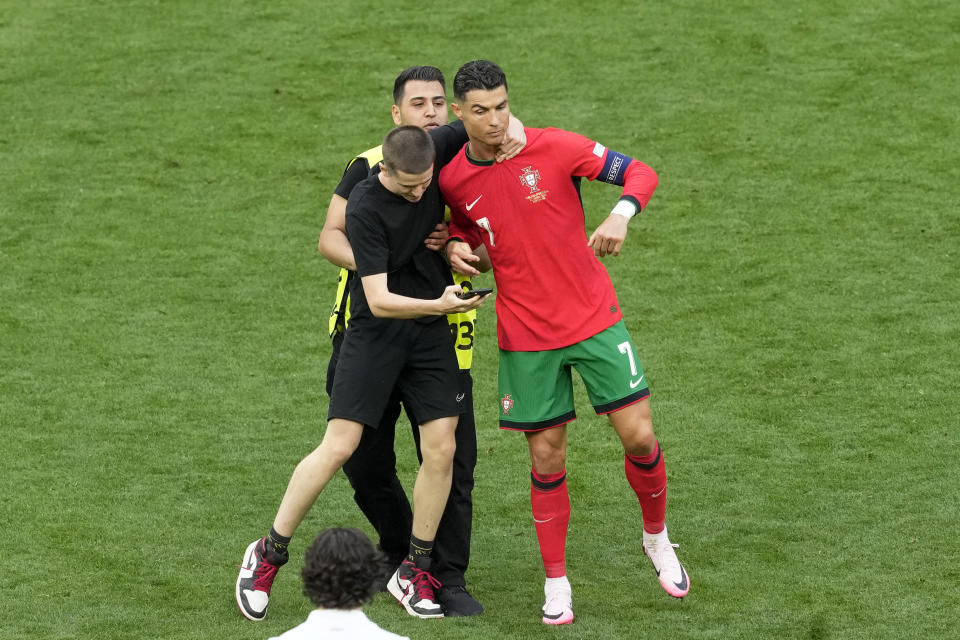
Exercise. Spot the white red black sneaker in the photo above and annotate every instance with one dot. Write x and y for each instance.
(558, 608)
(257, 572)
(413, 587)
(673, 577)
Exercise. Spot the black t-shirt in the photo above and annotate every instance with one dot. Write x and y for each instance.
(387, 232)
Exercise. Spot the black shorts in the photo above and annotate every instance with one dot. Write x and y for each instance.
(417, 358)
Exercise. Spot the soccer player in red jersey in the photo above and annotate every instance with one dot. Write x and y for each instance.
(556, 309)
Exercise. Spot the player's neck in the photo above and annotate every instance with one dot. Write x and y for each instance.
(481, 151)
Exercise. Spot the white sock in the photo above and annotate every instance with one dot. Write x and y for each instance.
(553, 584)
(657, 537)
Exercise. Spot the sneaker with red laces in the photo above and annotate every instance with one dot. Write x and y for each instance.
(413, 587)
(259, 568)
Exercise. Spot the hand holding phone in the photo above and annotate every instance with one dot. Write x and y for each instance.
(473, 293)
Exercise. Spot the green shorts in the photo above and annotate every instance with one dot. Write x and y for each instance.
(536, 387)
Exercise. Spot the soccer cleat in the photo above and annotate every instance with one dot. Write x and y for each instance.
(413, 587)
(558, 608)
(457, 602)
(673, 577)
(257, 572)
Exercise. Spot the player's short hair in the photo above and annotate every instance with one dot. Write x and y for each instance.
(424, 73)
(340, 569)
(409, 149)
(479, 74)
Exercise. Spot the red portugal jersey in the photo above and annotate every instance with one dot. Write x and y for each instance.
(551, 290)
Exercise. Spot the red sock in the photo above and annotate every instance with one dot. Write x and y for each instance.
(550, 504)
(648, 477)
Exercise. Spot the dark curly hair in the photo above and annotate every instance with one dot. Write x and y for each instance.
(478, 74)
(340, 569)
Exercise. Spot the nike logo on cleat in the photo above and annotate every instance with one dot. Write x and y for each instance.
(682, 585)
(553, 616)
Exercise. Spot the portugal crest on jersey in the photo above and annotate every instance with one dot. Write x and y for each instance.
(506, 403)
(531, 178)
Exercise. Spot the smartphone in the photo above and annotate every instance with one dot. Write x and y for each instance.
(473, 293)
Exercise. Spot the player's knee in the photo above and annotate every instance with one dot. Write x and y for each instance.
(547, 459)
(640, 442)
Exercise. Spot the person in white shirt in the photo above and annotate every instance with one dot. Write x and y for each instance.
(340, 569)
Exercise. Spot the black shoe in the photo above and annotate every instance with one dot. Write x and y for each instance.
(457, 602)
(387, 568)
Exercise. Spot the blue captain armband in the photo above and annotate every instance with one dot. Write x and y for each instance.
(614, 167)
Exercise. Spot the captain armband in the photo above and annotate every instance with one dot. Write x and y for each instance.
(614, 167)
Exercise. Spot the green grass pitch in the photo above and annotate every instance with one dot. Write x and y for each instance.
(792, 290)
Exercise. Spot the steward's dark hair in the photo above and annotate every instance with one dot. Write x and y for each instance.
(479, 74)
(409, 149)
(340, 569)
(427, 74)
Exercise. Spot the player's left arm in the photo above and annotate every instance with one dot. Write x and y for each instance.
(638, 181)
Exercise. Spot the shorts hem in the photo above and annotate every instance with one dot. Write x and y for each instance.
(541, 425)
(616, 405)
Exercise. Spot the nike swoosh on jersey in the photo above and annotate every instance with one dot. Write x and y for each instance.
(470, 206)
(633, 385)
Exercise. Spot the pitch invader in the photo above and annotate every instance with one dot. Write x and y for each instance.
(528, 214)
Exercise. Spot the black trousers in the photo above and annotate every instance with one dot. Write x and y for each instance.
(372, 472)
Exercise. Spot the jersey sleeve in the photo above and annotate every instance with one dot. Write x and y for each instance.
(369, 241)
(594, 161)
(462, 228)
(356, 170)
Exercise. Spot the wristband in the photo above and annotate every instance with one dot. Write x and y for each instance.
(625, 208)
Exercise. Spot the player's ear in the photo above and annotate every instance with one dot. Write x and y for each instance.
(456, 109)
(395, 111)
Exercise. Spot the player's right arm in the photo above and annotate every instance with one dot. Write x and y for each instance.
(462, 259)
(333, 243)
(384, 304)
(463, 236)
